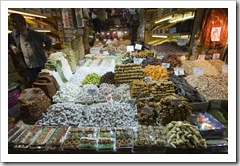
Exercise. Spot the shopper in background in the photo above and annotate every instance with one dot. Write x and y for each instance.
(28, 45)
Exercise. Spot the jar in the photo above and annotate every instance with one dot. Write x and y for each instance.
(125, 34)
(108, 35)
(120, 34)
(97, 35)
(114, 34)
(103, 35)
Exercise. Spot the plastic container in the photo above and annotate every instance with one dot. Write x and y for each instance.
(16, 131)
(103, 35)
(124, 138)
(108, 35)
(114, 34)
(106, 143)
(157, 136)
(57, 137)
(107, 133)
(90, 132)
(120, 34)
(72, 138)
(125, 34)
(24, 140)
(141, 137)
(97, 36)
(88, 143)
(41, 139)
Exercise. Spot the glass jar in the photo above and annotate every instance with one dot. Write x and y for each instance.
(125, 34)
(103, 35)
(114, 34)
(97, 35)
(108, 35)
(120, 34)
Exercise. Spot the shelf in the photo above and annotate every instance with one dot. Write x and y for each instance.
(172, 34)
(31, 12)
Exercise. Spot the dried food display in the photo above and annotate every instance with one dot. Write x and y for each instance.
(124, 91)
(137, 87)
(62, 114)
(24, 139)
(172, 108)
(109, 115)
(173, 60)
(146, 112)
(184, 135)
(91, 78)
(151, 61)
(41, 139)
(126, 73)
(106, 132)
(210, 87)
(161, 88)
(107, 78)
(141, 136)
(157, 136)
(217, 64)
(156, 72)
(189, 66)
(169, 48)
(106, 143)
(106, 89)
(186, 90)
(57, 138)
(72, 139)
(124, 138)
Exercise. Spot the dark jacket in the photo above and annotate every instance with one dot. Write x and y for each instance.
(36, 39)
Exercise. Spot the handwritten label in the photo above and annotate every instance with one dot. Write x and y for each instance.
(215, 104)
(182, 42)
(178, 71)
(92, 92)
(225, 68)
(138, 46)
(183, 58)
(148, 79)
(201, 57)
(176, 102)
(130, 48)
(216, 56)
(166, 65)
(198, 71)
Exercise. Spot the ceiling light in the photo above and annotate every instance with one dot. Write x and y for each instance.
(183, 17)
(159, 36)
(26, 14)
(163, 19)
(41, 30)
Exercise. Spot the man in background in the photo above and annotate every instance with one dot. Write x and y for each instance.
(27, 45)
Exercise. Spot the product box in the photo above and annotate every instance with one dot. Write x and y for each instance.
(208, 126)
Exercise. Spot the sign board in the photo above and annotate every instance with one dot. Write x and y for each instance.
(198, 71)
(182, 42)
(216, 56)
(166, 65)
(92, 92)
(178, 71)
(130, 48)
(201, 57)
(138, 47)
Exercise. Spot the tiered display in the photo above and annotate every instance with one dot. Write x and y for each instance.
(139, 87)
(161, 88)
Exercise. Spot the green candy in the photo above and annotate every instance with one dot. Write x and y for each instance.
(91, 78)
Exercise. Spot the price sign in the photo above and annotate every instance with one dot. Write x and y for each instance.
(166, 65)
(201, 57)
(130, 48)
(176, 102)
(182, 42)
(178, 71)
(92, 92)
(215, 104)
(148, 79)
(225, 68)
(216, 56)
(138, 46)
(183, 58)
(198, 71)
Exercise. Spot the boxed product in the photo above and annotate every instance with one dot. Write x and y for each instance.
(57, 138)
(208, 126)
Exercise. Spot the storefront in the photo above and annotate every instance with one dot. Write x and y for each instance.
(124, 81)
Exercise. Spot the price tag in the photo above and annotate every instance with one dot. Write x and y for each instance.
(178, 71)
(225, 68)
(138, 46)
(148, 79)
(105, 52)
(166, 65)
(183, 58)
(130, 48)
(198, 71)
(92, 92)
(216, 56)
(173, 30)
(201, 57)
(215, 104)
(176, 102)
(182, 42)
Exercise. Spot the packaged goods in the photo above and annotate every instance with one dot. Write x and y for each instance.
(141, 136)
(72, 139)
(57, 138)
(157, 136)
(124, 138)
